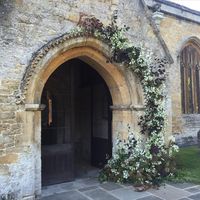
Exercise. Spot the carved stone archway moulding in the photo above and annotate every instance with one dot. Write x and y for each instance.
(125, 91)
(91, 50)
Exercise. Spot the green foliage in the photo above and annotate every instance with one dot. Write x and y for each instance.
(141, 62)
(140, 162)
(135, 161)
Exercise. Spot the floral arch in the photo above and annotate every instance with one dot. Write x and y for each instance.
(138, 161)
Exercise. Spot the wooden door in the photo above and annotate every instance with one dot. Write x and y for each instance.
(101, 125)
(57, 141)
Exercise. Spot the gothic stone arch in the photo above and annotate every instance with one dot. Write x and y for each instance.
(125, 90)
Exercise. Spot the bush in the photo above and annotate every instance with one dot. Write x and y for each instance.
(140, 162)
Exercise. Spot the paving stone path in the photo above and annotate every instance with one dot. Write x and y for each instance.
(91, 189)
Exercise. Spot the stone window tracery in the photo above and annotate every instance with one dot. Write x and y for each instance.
(190, 79)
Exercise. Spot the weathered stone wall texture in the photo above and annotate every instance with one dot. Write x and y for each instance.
(25, 26)
(176, 33)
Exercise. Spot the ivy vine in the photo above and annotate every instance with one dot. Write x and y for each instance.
(140, 162)
(135, 161)
(151, 71)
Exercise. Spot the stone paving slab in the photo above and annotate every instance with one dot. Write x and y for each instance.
(169, 192)
(182, 185)
(52, 190)
(128, 194)
(72, 186)
(91, 189)
(69, 186)
(100, 194)
(150, 198)
(89, 181)
(194, 189)
(88, 188)
(72, 195)
(110, 186)
(195, 196)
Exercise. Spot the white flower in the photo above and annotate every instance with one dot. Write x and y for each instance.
(125, 174)
(172, 138)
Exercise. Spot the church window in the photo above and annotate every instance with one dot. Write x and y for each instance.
(190, 79)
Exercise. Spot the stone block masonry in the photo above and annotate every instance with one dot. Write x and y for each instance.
(25, 27)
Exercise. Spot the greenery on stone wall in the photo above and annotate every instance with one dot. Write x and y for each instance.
(147, 161)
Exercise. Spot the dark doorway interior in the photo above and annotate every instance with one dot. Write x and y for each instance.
(76, 123)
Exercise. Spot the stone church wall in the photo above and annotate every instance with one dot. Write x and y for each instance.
(177, 32)
(25, 26)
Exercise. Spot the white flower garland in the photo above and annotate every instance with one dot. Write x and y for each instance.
(137, 161)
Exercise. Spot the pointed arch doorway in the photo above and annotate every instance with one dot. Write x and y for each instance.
(76, 123)
(124, 89)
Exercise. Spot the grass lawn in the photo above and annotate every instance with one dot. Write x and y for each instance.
(188, 164)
